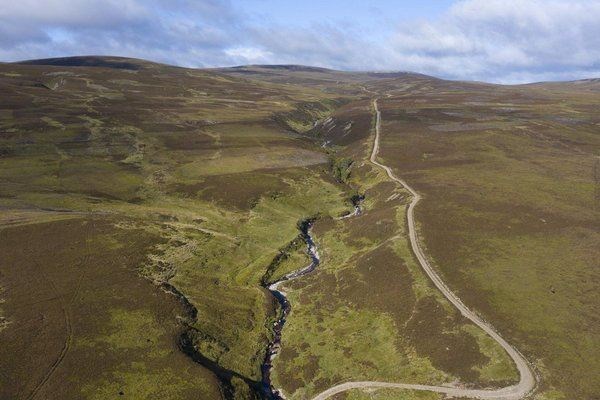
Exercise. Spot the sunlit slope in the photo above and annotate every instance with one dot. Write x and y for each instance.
(510, 211)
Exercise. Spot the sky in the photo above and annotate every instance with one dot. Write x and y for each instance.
(504, 41)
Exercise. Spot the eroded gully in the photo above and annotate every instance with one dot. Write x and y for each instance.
(270, 391)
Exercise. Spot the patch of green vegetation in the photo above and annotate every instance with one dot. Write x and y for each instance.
(52, 123)
(271, 158)
(290, 258)
(368, 351)
(389, 394)
(129, 329)
(233, 270)
(138, 381)
(550, 394)
(341, 169)
(99, 179)
(500, 367)
(305, 115)
(3, 320)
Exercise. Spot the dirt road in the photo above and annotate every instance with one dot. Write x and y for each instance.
(527, 380)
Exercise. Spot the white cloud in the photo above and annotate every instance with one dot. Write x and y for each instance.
(249, 55)
(90, 13)
(495, 40)
(500, 39)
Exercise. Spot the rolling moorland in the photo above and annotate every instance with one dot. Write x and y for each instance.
(145, 209)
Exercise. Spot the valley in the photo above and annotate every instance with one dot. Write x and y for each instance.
(149, 213)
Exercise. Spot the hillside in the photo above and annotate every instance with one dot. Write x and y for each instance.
(195, 159)
(146, 210)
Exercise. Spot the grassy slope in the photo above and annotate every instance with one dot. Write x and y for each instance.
(192, 157)
(75, 300)
(510, 213)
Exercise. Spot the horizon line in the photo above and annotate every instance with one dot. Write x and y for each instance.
(374, 71)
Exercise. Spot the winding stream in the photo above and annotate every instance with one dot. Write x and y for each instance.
(275, 345)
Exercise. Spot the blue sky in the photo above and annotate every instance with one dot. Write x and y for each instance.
(376, 16)
(505, 41)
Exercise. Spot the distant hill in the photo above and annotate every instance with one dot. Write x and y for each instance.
(91, 61)
(283, 67)
(579, 85)
(286, 73)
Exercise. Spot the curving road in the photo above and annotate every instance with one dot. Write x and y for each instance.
(527, 380)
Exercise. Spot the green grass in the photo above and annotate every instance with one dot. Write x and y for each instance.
(390, 394)
(137, 381)
(128, 329)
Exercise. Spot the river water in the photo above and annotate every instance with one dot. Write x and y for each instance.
(269, 390)
(273, 349)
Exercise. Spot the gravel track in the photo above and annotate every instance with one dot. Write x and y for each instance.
(527, 380)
